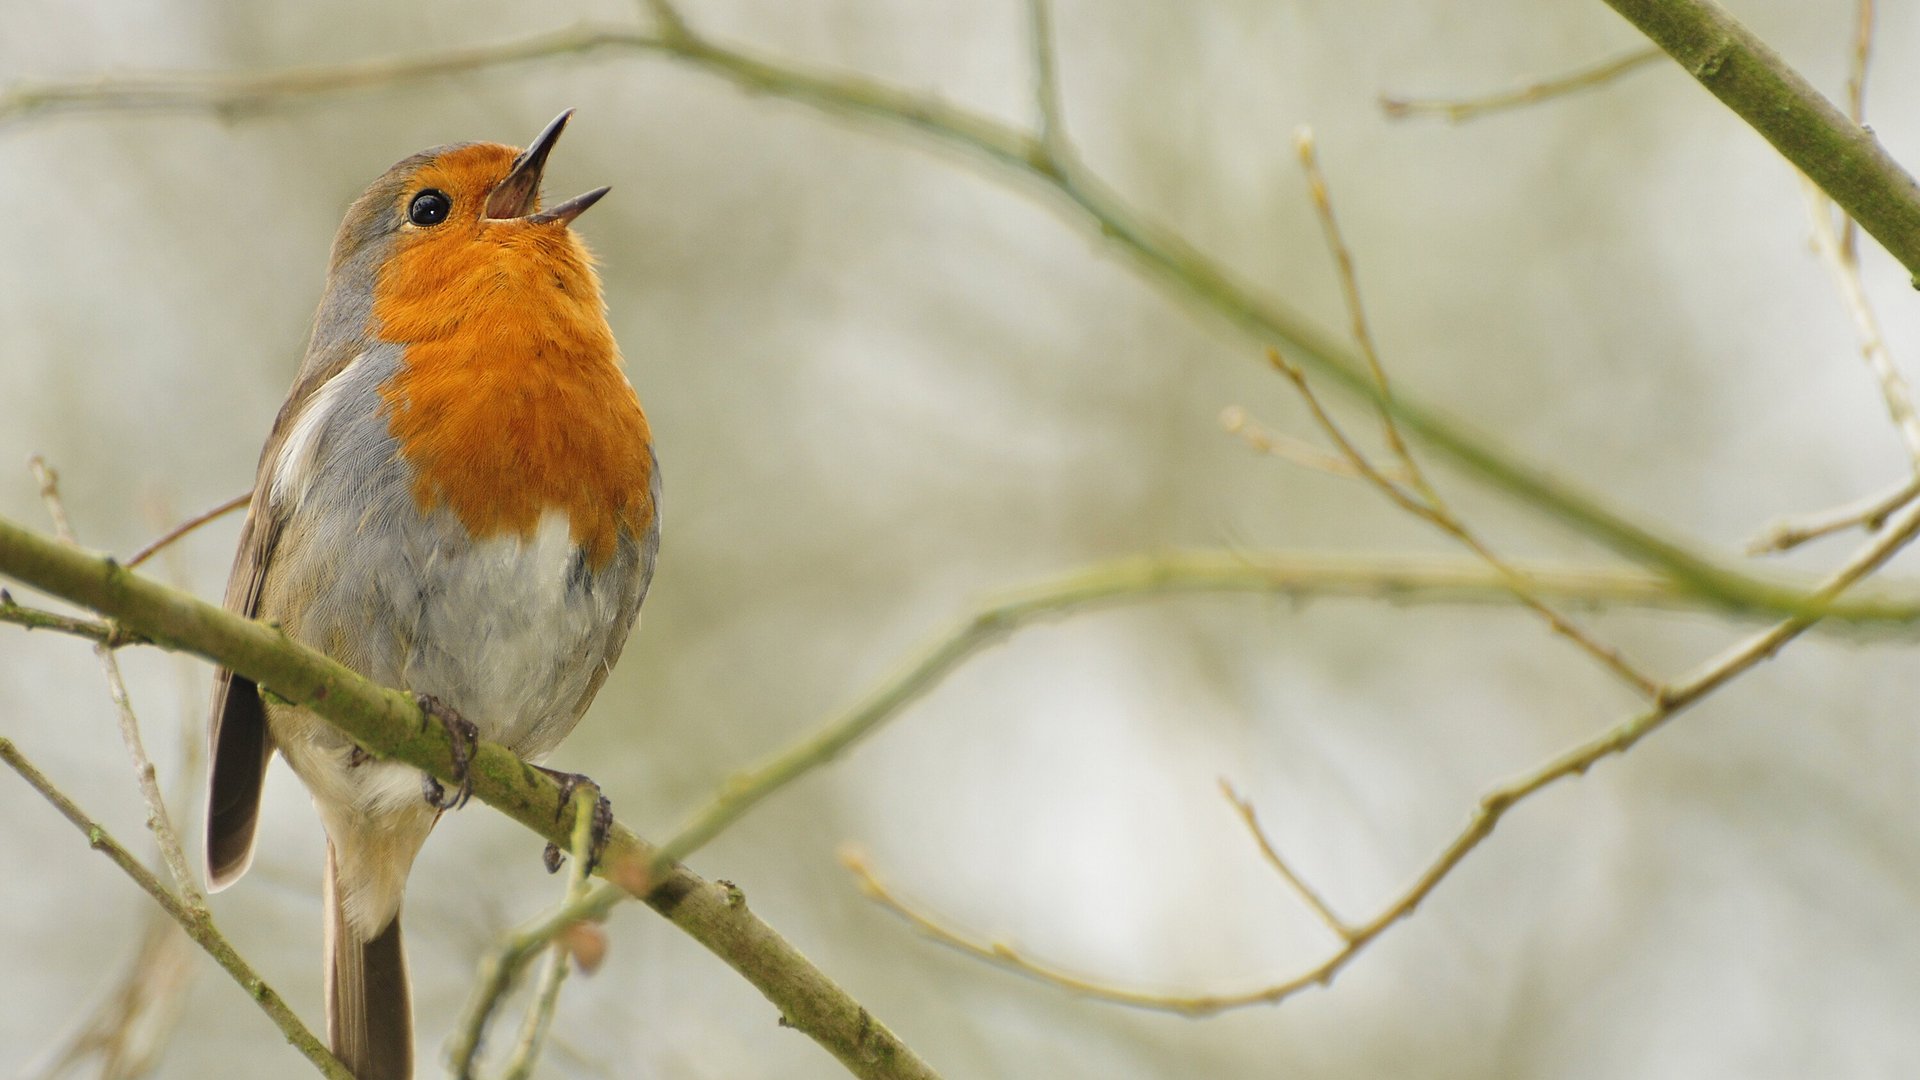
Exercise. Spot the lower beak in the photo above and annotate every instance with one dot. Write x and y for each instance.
(570, 209)
(518, 194)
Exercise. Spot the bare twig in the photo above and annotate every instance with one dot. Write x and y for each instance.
(1863, 20)
(1418, 496)
(1270, 852)
(238, 502)
(546, 991)
(1869, 513)
(1055, 151)
(159, 820)
(49, 481)
(1235, 421)
(12, 611)
(128, 1030)
(1494, 805)
(667, 20)
(1436, 513)
(195, 921)
(1459, 110)
(1317, 189)
(1124, 581)
(502, 967)
(1894, 389)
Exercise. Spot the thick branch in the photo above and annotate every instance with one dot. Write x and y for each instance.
(388, 723)
(1750, 78)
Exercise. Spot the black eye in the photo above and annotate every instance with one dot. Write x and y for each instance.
(430, 207)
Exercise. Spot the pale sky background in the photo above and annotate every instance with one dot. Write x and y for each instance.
(886, 384)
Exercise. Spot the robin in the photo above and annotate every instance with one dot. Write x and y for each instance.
(459, 499)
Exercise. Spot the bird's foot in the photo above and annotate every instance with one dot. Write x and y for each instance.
(466, 741)
(602, 819)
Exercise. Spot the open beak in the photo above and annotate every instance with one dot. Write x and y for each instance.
(519, 193)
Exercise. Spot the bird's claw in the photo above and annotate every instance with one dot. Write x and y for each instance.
(465, 740)
(601, 827)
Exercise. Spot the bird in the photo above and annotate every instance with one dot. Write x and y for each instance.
(459, 499)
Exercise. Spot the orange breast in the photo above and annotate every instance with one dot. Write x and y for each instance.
(510, 400)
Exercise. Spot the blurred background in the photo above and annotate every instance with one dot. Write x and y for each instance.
(886, 384)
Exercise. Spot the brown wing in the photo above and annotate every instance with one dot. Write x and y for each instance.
(239, 744)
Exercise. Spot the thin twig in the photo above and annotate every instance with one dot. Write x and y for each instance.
(1270, 852)
(12, 611)
(1130, 580)
(546, 993)
(1863, 22)
(1235, 421)
(1894, 389)
(1049, 120)
(1418, 496)
(129, 1029)
(1492, 807)
(1122, 581)
(159, 820)
(1436, 513)
(238, 502)
(1869, 513)
(501, 968)
(49, 481)
(196, 922)
(1317, 189)
(667, 20)
(1459, 110)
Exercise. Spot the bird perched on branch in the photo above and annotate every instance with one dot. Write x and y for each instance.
(460, 499)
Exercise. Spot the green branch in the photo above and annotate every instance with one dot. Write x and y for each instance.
(388, 723)
(100, 633)
(195, 920)
(1842, 157)
(1164, 257)
(1135, 579)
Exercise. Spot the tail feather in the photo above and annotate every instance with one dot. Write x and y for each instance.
(369, 1001)
(241, 748)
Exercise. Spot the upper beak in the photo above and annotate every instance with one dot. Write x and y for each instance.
(516, 196)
